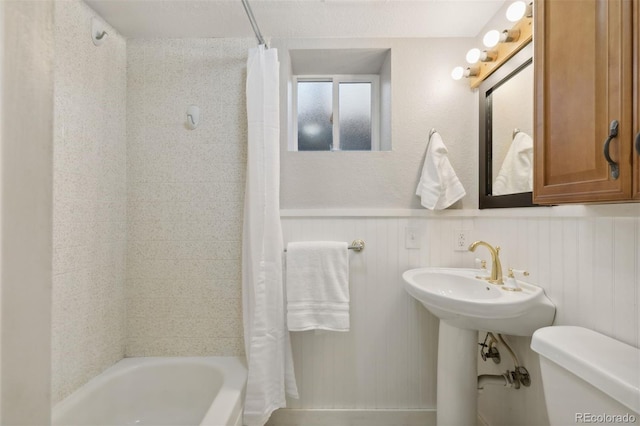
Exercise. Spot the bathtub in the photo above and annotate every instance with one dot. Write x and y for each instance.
(159, 391)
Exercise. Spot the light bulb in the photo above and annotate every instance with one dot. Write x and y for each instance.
(491, 38)
(516, 11)
(473, 55)
(457, 73)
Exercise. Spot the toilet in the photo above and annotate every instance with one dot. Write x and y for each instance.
(588, 377)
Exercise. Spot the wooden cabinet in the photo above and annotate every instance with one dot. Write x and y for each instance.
(586, 76)
(636, 100)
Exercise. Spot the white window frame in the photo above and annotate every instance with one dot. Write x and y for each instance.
(336, 79)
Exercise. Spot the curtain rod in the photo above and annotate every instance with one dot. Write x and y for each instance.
(254, 24)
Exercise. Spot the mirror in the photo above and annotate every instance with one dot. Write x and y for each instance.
(506, 134)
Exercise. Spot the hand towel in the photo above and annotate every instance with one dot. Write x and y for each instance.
(516, 172)
(317, 286)
(439, 186)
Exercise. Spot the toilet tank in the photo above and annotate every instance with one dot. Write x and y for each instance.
(588, 377)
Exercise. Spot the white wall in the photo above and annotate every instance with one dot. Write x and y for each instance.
(423, 96)
(89, 199)
(26, 187)
(185, 196)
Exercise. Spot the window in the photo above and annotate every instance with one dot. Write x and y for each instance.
(336, 113)
(338, 99)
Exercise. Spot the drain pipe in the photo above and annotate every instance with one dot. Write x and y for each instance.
(516, 362)
(495, 379)
(520, 375)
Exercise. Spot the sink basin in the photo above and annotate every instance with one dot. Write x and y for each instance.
(456, 296)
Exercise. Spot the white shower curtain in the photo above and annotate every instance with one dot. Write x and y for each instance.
(266, 337)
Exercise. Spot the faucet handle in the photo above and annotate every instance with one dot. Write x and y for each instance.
(480, 263)
(510, 284)
(483, 273)
(517, 271)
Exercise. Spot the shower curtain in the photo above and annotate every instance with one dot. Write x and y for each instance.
(267, 344)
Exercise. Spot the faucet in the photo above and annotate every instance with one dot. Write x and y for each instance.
(496, 266)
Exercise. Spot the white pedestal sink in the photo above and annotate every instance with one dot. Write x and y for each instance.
(466, 304)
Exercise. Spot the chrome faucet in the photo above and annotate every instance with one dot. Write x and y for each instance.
(496, 266)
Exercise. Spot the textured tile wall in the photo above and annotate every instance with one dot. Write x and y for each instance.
(185, 196)
(89, 207)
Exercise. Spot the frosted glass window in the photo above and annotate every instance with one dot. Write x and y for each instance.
(355, 116)
(337, 113)
(315, 113)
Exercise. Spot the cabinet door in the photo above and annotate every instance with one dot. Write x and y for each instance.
(583, 64)
(636, 99)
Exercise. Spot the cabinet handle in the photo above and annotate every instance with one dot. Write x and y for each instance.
(638, 143)
(613, 132)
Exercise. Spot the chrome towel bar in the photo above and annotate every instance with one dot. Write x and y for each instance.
(357, 245)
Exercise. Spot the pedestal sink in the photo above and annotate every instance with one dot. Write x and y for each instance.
(466, 304)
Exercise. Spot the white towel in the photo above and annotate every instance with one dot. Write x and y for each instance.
(439, 186)
(516, 172)
(318, 286)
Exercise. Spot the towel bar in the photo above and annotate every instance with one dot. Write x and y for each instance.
(356, 245)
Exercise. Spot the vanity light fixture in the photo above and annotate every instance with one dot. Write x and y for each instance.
(500, 45)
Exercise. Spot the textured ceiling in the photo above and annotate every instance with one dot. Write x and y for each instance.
(298, 19)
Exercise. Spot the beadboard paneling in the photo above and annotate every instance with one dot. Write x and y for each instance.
(588, 267)
(388, 358)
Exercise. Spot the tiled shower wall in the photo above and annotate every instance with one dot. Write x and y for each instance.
(587, 264)
(89, 200)
(185, 196)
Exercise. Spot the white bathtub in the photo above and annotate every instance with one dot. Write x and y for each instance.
(159, 391)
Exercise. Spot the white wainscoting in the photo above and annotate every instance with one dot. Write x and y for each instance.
(319, 417)
(388, 358)
(588, 266)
